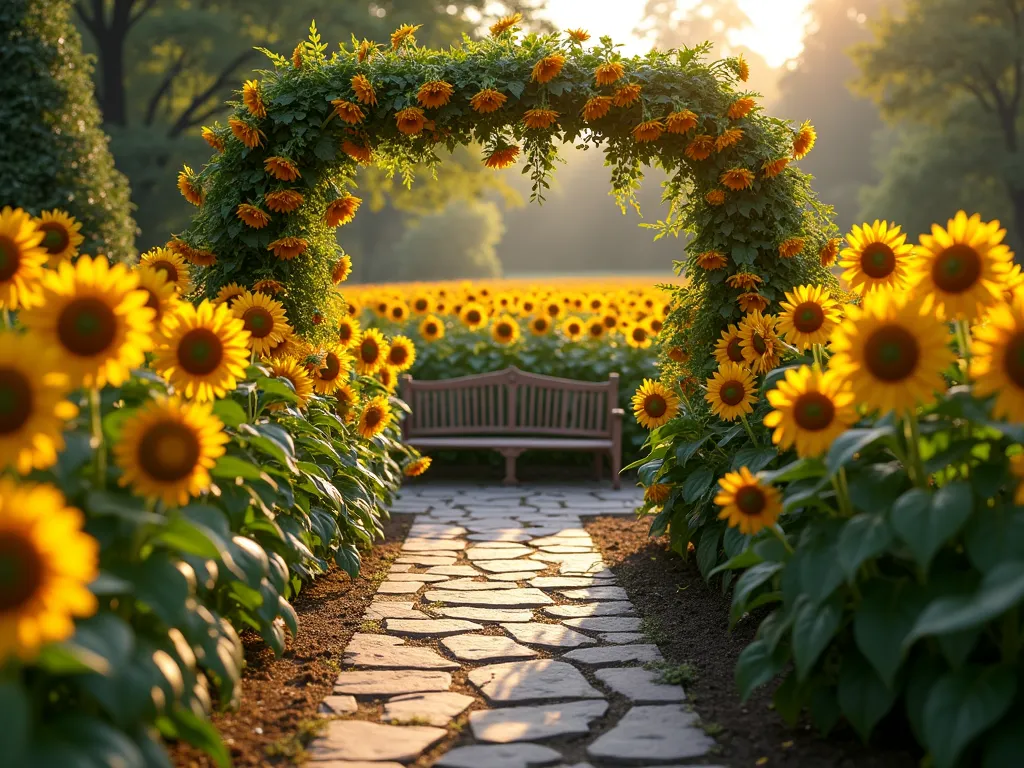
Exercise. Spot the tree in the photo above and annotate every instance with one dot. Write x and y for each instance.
(817, 88)
(953, 71)
(456, 242)
(53, 153)
(166, 68)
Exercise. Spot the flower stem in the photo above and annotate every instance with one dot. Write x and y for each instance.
(99, 445)
(750, 432)
(777, 531)
(963, 340)
(816, 351)
(839, 482)
(914, 448)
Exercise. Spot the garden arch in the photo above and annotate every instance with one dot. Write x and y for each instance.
(271, 198)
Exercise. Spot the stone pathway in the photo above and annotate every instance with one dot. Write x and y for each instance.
(501, 640)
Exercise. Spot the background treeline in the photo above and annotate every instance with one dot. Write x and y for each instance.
(916, 102)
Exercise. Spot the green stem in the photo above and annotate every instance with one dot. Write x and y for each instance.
(782, 537)
(914, 449)
(963, 340)
(8, 323)
(99, 445)
(746, 426)
(842, 489)
(816, 351)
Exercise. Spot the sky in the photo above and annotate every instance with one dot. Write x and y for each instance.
(776, 34)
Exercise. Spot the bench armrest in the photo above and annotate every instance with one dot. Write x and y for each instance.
(618, 413)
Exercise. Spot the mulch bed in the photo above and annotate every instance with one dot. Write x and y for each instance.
(280, 696)
(689, 621)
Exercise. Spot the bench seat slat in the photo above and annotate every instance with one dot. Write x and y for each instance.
(524, 442)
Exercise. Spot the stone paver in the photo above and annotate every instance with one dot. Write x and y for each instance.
(430, 708)
(466, 600)
(639, 685)
(530, 723)
(547, 635)
(487, 648)
(529, 681)
(360, 740)
(379, 682)
(656, 733)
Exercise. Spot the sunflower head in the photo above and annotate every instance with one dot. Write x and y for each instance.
(573, 328)
(681, 121)
(203, 350)
(434, 94)
(349, 331)
(654, 404)
(61, 235)
(759, 343)
(657, 493)
(473, 315)
(732, 392)
(540, 118)
(365, 94)
(548, 68)
(431, 328)
(878, 256)
(371, 353)
(627, 95)
(330, 369)
(747, 503)
(296, 374)
(264, 318)
(506, 24)
(609, 72)
(417, 467)
(812, 409)
(162, 294)
(404, 35)
(540, 325)
(487, 100)
(342, 210)
(22, 256)
(808, 317)
(401, 353)
(997, 358)
(375, 417)
(281, 168)
(410, 120)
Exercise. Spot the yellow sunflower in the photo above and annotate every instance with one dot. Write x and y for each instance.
(342, 269)
(431, 328)
(372, 352)
(203, 351)
(505, 330)
(811, 410)
(505, 23)
(417, 467)
(22, 256)
(808, 317)
(33, 408)
(349, 332)
(732, 392)
(167, 449)
(375, 417)
(402, 353)
(421, 303)
(229, 294)
(657, 493)
(654, 404)
(61, 235)
(962, 269)
(877, 257)
(264, 319)
(398, 311)
(595, 328)
(627, 95)
(892, 352)
(295, 373)
(540, 325)
(488, 100)
(405, 34)
(747, 503)
(47, 562)
(332, 371)
(573, 328)
(638, 336)
(346, 400)
(162, 296)
(171, 264)
(473, 315)
(548, 68)
(759, 343)
(609, 72)
(190, 187)
(388, 377)
(997, 359)
(95, 315)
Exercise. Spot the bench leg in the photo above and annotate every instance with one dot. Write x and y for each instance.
(616, 460)
(510, 455)
(598, 466)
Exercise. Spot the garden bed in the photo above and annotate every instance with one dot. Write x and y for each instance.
(281, 696)
(689, 621)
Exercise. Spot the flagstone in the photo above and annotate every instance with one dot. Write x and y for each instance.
(513, 576)
(432, 708)
(453, 570)
(565, 549)
(547, 635)
(383, 682)
(522, 682)
(557, 582)
(429, 627)
(500, 535)
(392, 587)
(644, 653)
(620, 638)
(414, 559)
(511, 566)
(640, 685)
(433, 545)
(385, 652)
(518, 597)
(469, 585)
(380, 609)
(361, 740)
(520, 755)
(496, 545)
(479, 553)
(411, 577)
(616, 608)
(512, 724)
(487, 615)
(655, 733)
(338, 705)
(596, 593)
(489, 648)
(605, 623)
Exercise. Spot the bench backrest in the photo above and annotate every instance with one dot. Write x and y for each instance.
(510, 402)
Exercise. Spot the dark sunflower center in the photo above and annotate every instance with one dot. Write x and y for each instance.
(332, 367)
(732, 392)
(655, 405)
(1013, 360)
(21, 571)
(596, 329)
(200, 352)
(55, 237)
(345, 334)
(369, 351)
(473, 317)
(540, 325)
(398, 356)
(10, 258)
(957, 269)
(168, 452)
(167, 268)
(504, 330)
(86, 327)
(808, 317)
(758, 343)
(751, 500)
(813, 411)
(431, 329)
(595, 305)
(15, 401)
(639, 334)
(397, 313)
(877, 260)
(373, 417)
(421, 305)
(258, 321)
(655, 325)
(735, 350)
(891, 353)
(609, 322)
(574, 329)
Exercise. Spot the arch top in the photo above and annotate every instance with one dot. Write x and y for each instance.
(270, 200)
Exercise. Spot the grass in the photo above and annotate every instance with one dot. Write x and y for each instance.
(651, 628)
(294, 747)
(675, 674)
(371, 626)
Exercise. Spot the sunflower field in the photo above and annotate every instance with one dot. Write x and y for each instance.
(854, 468)
(573, 328)
(174, 472)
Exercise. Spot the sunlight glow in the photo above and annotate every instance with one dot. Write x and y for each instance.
(776, 32)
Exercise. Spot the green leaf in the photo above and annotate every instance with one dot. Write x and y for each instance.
(813, 630)
(707, 550)
(884, 618)
(183, 724)
(863, 698)
(1005, 744)
(68, 658)
(815, 562)
(182, 535)
(755, 667)
(852, 442)
(748, 583)
(230, 467)
(927, 521)
(230, 412)
(961, 705)
(697, 484)
(753, 458)
(994, 537)
(16, 715)
(1000, 589)
(863, 537)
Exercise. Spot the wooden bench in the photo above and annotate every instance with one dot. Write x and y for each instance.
(512, 411)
